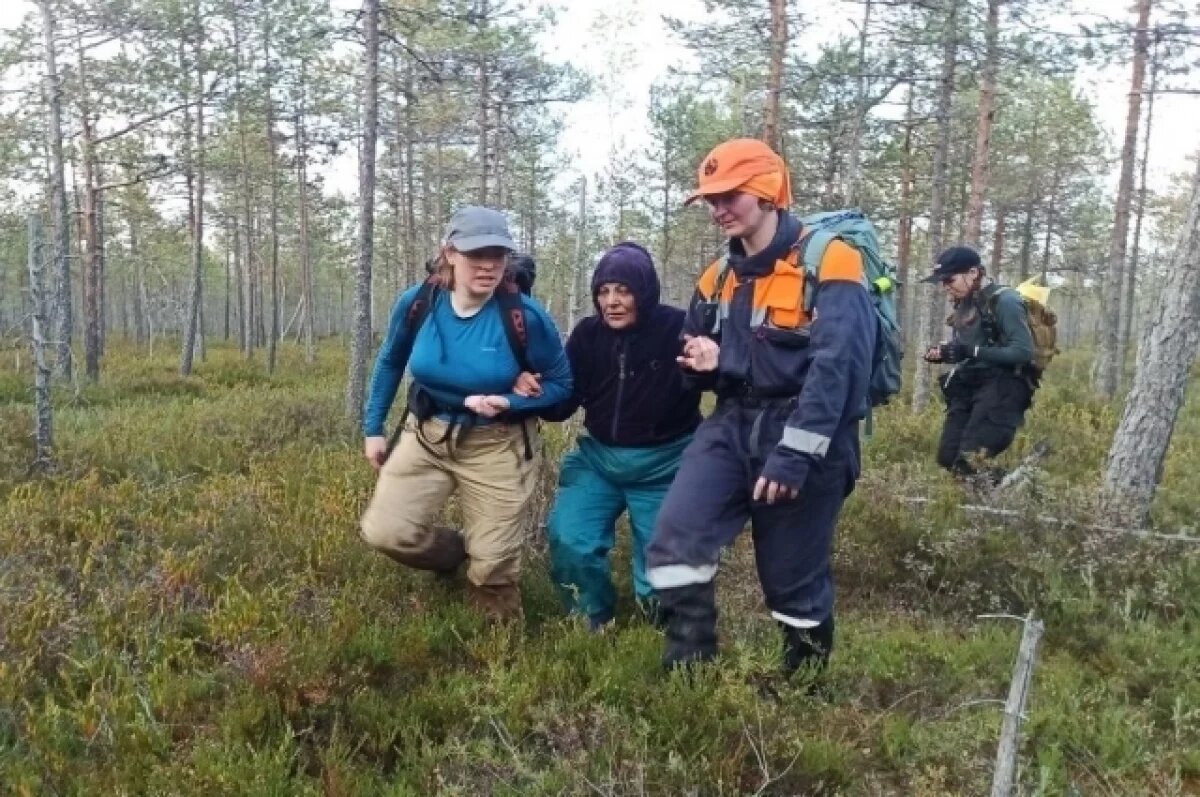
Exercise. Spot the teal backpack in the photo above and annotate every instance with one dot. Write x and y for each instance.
(854, 228)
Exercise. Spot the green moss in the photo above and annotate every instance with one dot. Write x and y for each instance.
(188, 610)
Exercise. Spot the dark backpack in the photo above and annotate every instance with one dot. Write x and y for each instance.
(524, 272)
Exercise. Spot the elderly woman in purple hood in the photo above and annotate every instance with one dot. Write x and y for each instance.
(638, 416)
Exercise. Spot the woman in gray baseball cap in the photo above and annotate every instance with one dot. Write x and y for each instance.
(465, 336)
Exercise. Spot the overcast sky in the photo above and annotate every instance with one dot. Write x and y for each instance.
(635, 34)
(1175, 131)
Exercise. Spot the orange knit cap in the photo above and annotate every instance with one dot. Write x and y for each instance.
(747, 165)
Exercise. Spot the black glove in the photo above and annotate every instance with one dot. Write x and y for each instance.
(955, 352)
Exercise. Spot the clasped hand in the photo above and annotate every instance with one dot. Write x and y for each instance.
(700, 354)
(486, 406)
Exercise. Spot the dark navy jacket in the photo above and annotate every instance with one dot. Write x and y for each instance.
(824, 365)
(631, 390)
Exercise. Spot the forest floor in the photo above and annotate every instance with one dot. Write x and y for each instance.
(187, 610)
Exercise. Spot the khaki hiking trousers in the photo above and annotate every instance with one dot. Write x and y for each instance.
(494, 483)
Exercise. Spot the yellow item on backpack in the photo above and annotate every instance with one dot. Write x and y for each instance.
(1043, 322)
(1029, 289)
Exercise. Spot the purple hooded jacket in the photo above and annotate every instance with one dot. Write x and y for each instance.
(631, 390)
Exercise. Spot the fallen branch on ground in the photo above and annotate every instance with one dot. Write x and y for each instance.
(1050, 520)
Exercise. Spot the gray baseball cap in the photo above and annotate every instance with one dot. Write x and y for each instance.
(473, 227)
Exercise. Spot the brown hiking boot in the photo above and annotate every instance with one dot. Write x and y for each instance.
(442, 552)
(499, 603)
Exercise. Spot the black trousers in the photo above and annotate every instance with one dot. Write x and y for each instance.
(983, 411)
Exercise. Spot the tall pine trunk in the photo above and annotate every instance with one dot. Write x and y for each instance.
(1052, 204)
(90, 229)
(273, 326)
(980, 172)
(666, 206)
(1168, 350)
(778, 49)
(43, 412)
(239, 277)
(247, 234)
(412, 259)
(101, 264)
(91, 254)
(997, 259)
(905, 233)
(141, 333)
(360, 340)
(577, 260)
(52, 89)
(396, 184)
(932, 309)
(192, 329)
(482, 119)
(306, 275)
(228, 305)
(499, 154)
(854, 167)
(1129, 287)
(1106, 373)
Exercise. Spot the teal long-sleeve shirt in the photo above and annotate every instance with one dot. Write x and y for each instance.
(454, 357)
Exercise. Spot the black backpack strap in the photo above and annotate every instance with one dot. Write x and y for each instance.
(991, 325)
(525, 439)
(395, 438)
(811, 282)
(418, 311)
(512, 317)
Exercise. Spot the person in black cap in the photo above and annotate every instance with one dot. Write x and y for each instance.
(990, 384)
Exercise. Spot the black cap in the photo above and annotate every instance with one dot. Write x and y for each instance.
(955, 260)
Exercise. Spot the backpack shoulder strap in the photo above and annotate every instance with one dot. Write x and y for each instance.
(511, 305)
(809, 250)
(712, 281)
(420, 309)
(991, 293)
(709, 290)
(991, 322)
(992, 299)
(811, 246)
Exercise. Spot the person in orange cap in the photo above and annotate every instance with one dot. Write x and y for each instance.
(781, 449)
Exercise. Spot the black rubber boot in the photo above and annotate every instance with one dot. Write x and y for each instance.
(807, 648)
(690, 617)
(651, 610)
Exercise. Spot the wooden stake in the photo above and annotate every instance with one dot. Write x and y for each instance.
(1014, 709)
